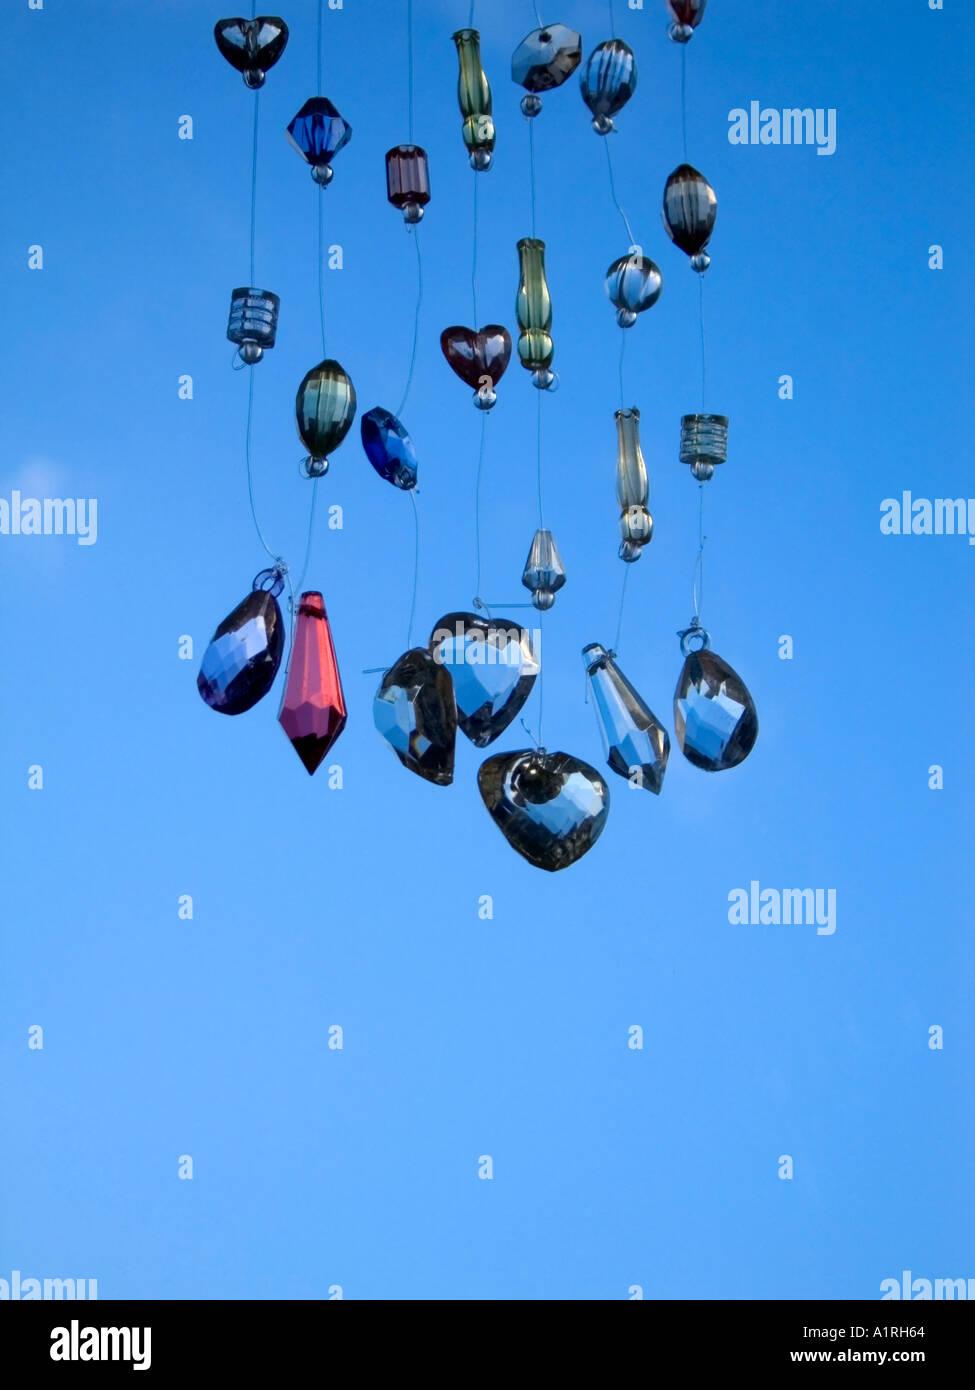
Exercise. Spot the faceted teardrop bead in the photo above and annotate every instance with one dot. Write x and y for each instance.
(544, 571)
(608, 81)
(318, 132)
(252, 45)
(633, 284)
(414, 710)
(690, 210)
(546, 57)
(244, 654)
(493, 667)
(636, 744)
(313, 710)
(389, 448)
(550, 807)
(324, 410)
(714, 714)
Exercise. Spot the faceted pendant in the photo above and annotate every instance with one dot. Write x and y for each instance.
(544, 571)
(493, 667)
(637, 745)
(714, 714)
(633, 284)
(312, 712)
(408, 180)
(414, 711)
(252, 45)
(324, 411)
(244, 654)
(318, 132)
(389, 448)
(546, 58)
(479, 357)
(690, 211)
(608, 81)
(550, 807)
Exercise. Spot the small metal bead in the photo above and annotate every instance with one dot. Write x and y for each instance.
(543, 599)
(625, 318)
(412, 213)
(531, 105)
(485, 399)
(700, 262)
(602, 125)
(481, 160)
(250, 353)
(254, 78)
(681, 33)
(322, 174)
(545, 379)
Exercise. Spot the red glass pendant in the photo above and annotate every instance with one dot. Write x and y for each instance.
(313, 709)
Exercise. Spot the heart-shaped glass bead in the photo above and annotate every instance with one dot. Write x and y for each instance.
(477, 354)
(493, 666)
(550, 807)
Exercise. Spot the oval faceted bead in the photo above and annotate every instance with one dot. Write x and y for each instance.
(608, 81)
(690, 209)
(714, 714)
(243, 656)
(324, 409)
(389, 448)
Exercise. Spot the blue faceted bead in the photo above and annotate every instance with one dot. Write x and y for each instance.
(318, 132)
(244, 654)
(389, 448)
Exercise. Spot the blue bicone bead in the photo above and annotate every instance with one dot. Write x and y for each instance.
(389, 448)
(318, 132)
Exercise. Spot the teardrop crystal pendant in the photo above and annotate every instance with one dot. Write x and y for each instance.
(414, 710)
(637, 745)
(313, 711)
(493, 667)
(714, 714)
(389, 448)
(550, 807)
(544, 571)
(242, 660)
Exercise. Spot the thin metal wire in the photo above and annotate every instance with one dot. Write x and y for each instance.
(683, 95)
(415, 232)
(619, 621)
(531, 165)
(409, 49)
(612, 189)
(622, 351)
(699, 563)
(704, 354)
(416, 567)
(318, 88)
(321, 266)
(612, 20)
(541, 506)
(474, 256)
(477, 510)
(247, 452)
(257, 109)
(311, 527)
(470, 18)
(538, 17)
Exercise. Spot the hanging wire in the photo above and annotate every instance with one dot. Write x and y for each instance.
(415, 233)
(704, 356)
(612, 20)
(409, 50)
(474, 256)
(531, 166)
(541, 516)
(683, 95)
(619, 620)
(257, 109)
(699, 563)
(612, 189)
(311, 527)
(470, 18)
(416, 566)
(622, 351)
(477, 510)
(250, 480)
(318, 88)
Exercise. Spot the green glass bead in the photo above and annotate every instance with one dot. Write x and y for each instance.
(533, 307)
(474, 98)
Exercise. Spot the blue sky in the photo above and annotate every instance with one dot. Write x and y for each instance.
(316, 1168)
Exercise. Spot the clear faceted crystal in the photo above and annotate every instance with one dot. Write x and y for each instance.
(550, 807)
(493, 667)
(414, 711)
(714, 714)
(243, 656)
(636, 744)
(546, 57)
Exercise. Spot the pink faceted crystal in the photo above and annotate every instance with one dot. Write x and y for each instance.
(313, 711)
